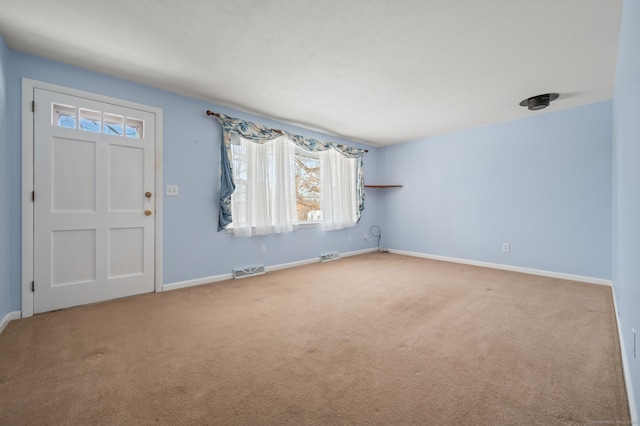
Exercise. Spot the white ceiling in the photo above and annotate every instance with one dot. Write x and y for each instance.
(377, 71)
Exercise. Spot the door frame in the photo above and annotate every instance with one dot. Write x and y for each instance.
(28, 87)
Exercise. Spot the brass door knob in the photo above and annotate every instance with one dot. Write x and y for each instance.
(147, 212)
(147, 194)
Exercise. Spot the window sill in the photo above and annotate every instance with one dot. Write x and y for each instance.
(299, 225)
(309, 224)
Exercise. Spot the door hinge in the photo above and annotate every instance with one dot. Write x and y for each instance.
(33, 286)
(33, 196)
(33, 106)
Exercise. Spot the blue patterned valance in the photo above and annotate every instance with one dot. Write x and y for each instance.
(247, 130)
(261, 134)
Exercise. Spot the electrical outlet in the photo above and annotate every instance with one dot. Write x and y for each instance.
(393, 244)
(172, 190)
(505, 247)
(366, 237)
(263, 249)
(349, 239)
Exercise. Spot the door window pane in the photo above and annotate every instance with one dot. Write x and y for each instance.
(90, 120)
(64, 116)
(134, 128)
(113, 124)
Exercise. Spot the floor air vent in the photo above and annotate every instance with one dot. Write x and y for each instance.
(247, 272)
(329, 256)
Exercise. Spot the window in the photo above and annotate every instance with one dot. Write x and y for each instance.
(279, 186)
(264, 199)
(273, 181)
(113, 124)
(307, 177)
(70, 117)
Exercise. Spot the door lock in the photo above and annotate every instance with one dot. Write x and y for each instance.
(148, 195)
(147, 212)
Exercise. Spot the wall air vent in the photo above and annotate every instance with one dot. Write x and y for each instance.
(329, 256)
(249, 271)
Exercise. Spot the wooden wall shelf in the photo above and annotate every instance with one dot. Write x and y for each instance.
(383, 186)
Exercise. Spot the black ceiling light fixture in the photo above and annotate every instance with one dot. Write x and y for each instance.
(535, 103)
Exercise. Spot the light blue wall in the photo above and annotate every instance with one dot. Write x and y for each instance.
(5, 297)
(626, 184)
(541, 184)
(192, 246)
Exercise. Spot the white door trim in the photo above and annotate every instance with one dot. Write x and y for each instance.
(28, 86)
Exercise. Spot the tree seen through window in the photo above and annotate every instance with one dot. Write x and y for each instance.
(308, 188)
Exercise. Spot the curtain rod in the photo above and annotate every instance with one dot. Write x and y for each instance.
(215, 114)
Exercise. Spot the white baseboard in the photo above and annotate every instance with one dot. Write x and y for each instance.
(290, 264)
(560, 275)
(316, 260)
(222, 277)
(633, 410)
(8, 318)
(357, 252)
(197, 281)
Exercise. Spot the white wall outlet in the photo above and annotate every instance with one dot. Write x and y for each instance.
(349, 239)
(393, 244)
(171, 190)
(366, 237)
(505, 247)
(263, 249)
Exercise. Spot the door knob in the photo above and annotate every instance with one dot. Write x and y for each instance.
(147, 194)
(147, 212)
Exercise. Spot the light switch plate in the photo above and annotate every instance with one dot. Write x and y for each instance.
(171, 190)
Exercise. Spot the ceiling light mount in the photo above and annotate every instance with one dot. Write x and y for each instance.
(535, 103)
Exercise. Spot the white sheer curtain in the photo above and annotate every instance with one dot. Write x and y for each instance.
(264, 201)
(338, 198)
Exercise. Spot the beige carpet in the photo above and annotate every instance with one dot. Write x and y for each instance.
(372, 339)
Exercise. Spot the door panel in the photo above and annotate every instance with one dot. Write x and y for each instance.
(125, 188)
(126, 252)
(73, 175)
(74, 256)
(93, 164)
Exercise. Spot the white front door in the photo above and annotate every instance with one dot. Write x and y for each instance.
(94, 177)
